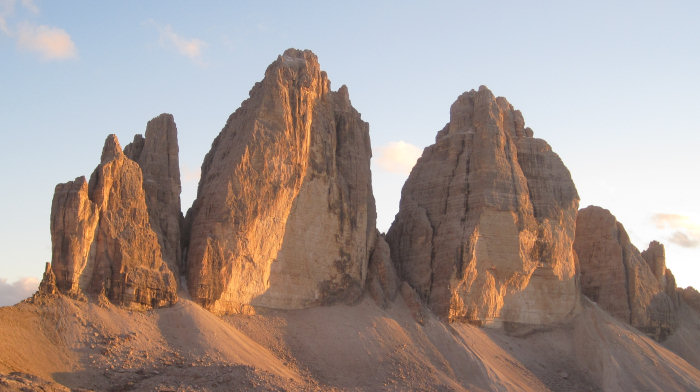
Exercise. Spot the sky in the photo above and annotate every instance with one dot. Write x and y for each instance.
(614, 88)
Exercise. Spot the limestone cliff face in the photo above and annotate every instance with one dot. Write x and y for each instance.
(284, 215)
(632, 286)
(158, 156)
(486, 222)
(102, 240)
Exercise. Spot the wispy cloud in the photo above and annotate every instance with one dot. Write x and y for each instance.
(191, 48)
(11, 293)
(51, 43)
(684, 232)
(398, 157)
(7, 9)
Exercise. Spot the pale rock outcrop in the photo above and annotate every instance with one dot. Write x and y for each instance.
(102, 241)
(158, 156)
(486, 223)
(627, 284)
(284, 215)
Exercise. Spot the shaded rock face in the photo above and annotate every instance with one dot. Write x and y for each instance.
(382, 282)
(632, 286)
(284, 215)
(102, 239)
(486, 223)
(158, 156)
(691, 297)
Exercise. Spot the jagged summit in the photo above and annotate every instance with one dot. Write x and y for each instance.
(486, 220)
(111, 149)
(103, 242)
(488, 233)
(284, 215)
(158, 156)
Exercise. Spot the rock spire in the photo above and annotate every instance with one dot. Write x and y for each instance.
(284, 215)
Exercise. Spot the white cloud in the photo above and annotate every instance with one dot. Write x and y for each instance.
(398, 157)
(191, 48)
(51, 43)
(11, 293)
(685, 232)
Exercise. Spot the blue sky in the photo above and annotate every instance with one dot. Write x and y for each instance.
(614, 88)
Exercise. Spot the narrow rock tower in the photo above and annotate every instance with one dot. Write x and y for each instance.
(158, 156)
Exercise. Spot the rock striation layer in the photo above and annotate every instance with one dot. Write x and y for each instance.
(103, 242)
(284, 215)
(634, 287)
(486, 223)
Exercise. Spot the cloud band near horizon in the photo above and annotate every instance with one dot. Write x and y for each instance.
(685, 232)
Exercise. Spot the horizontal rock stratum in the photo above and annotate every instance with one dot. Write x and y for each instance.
(486, 221)
(284, 215)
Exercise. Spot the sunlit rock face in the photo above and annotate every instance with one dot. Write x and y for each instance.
(486, 223)
(634, 287)
(284, 215)
(102, 239)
